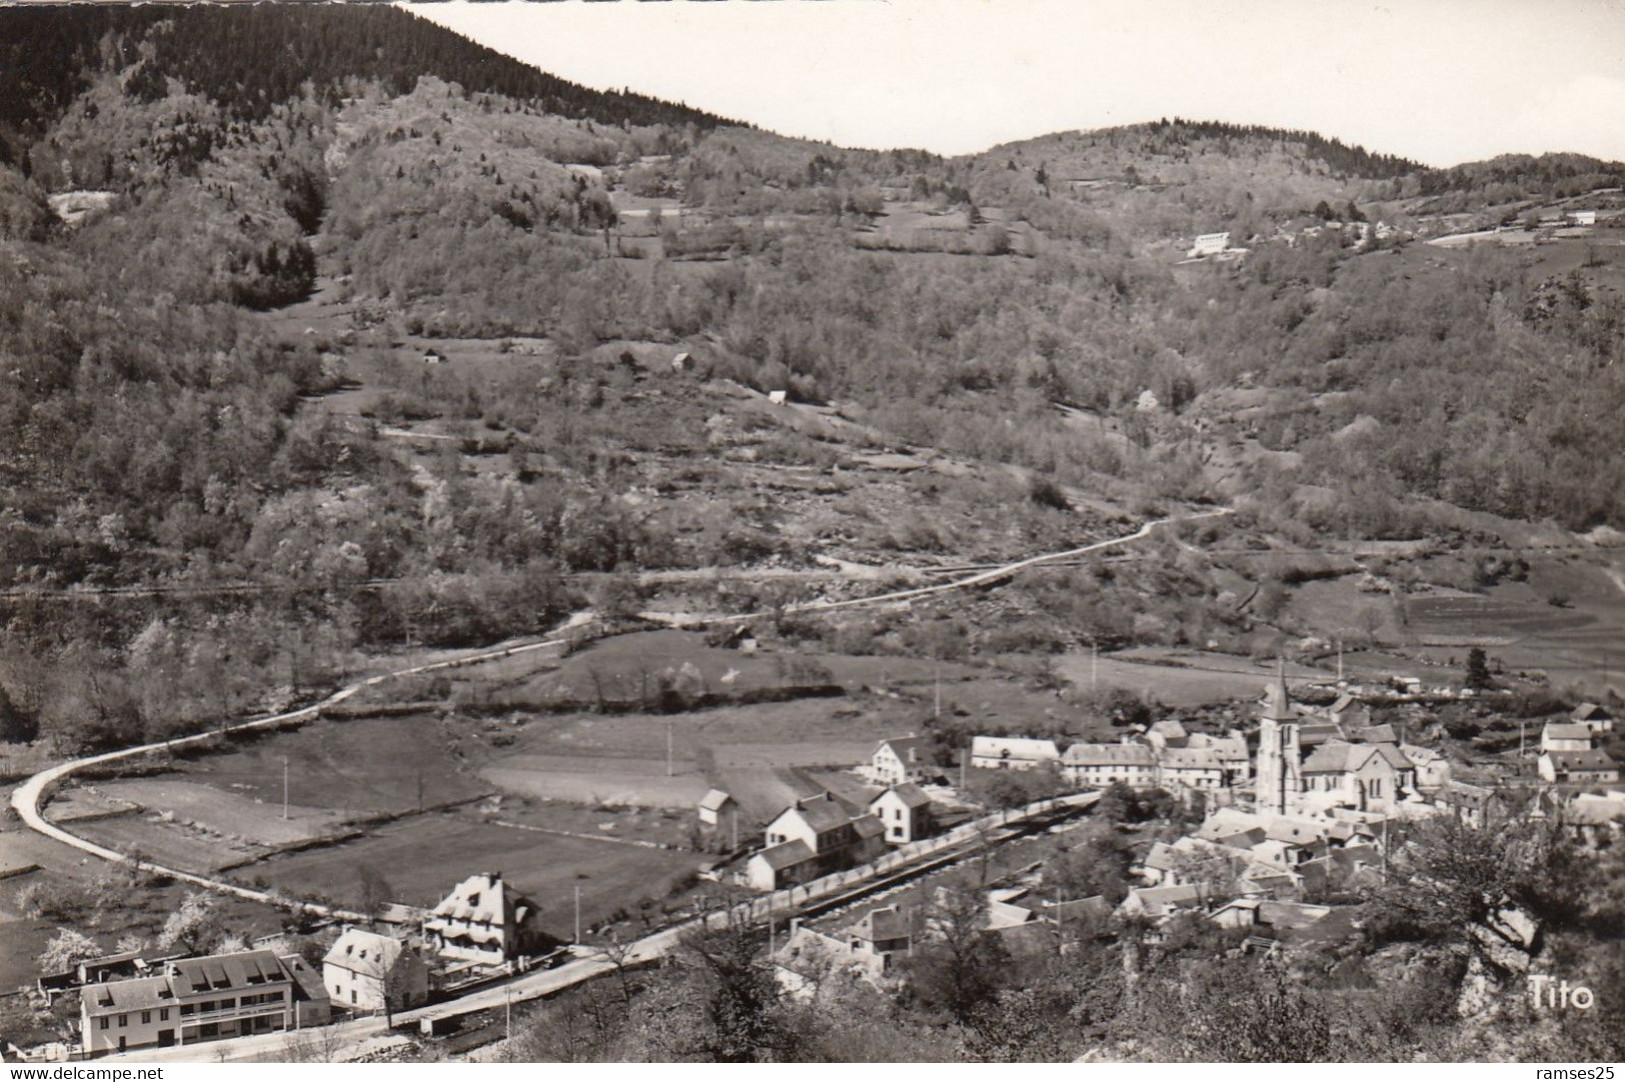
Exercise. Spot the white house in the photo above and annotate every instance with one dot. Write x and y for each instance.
(1582, 217)
(1565, 736)
(1208, 244)
(900, 759)
(1011, 752)
(484, 920)
(364, 969)
(718, 808)
(1578, 767)
(1432, 769)
(202, 999)
(905, 811)
(1194, 768)
(1098, 765)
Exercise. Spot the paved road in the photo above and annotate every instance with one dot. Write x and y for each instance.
(29, 798)
(343, 1039)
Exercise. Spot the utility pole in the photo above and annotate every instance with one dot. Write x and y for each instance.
(1339, 661)
(1094, 668)
(507, 1020)
(578, 913)
(284, 787)
(964, 757)
(668, 748)
(734, 820)
(936, 710)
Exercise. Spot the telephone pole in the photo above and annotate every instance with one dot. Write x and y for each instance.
(578, 913)
(284, 787)
(668, 748)
(1094, 668)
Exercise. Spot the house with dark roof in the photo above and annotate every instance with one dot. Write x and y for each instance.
(883, 933)
(1566, 736)
(1474, 805)
(195, 999)
(1594, 717)
(811, 838)
(905, 811)
(1583, 767)
(1096, 766)
(901, 759)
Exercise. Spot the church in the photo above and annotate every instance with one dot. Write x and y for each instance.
(1311, 765)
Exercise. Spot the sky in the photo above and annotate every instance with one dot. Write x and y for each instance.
(1440, 81)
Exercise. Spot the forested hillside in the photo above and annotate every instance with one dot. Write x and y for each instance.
(1027, 309)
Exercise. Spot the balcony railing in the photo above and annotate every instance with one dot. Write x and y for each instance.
(233, 1013)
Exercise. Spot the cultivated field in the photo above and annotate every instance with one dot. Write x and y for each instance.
(422, 857)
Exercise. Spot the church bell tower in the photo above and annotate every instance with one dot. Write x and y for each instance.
(1279, 777)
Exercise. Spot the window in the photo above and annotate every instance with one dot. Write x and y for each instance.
(104, 1021)
(146, 1016)
(163, 1014)
(352, 995)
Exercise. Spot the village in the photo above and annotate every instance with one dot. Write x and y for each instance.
(1288, 816)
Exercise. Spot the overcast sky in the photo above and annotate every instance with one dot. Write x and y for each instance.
(1441, 81)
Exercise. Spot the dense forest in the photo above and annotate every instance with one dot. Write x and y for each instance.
(158, 433)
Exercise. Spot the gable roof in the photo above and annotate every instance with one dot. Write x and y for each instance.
(1191, 759)
(716, 800)
(1013, 747)
(823, 814)
(1567, 761)
(901, 746)
(136, 994)
(1420, 756)
(1312, 733)
(785, 854)
(1109, 755)
(880, 924)
(1376, 734)
(911, 795)
(366, 953)
(225, 972)
(1591, 712)
(1170, 728)
(1561, 730)
(485, 899)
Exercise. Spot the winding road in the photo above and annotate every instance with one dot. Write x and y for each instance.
(30, 798)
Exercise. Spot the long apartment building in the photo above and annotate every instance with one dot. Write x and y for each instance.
(202, 999)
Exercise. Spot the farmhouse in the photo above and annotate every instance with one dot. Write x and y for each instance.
(433, 356)
(881, 933)
(1432, 769)
(1578, 766)
(1098, 765)
(905, 811)
(809, 958)
(1167, 734)
(1582, 217)
(364, 970)
(1160, 903)
(483, 920)
(1472, 804)
(899, 760)
(1565, 736)
(1011, 752)
(812, 837)
(1194, 768)
(201, 999)
(1596, 718)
